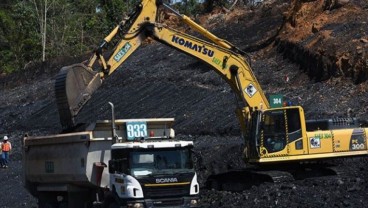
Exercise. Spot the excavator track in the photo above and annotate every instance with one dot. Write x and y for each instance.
(338, 171)
(276, 176)
(74, 86)
(238, 180)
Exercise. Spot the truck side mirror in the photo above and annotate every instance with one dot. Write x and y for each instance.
(112, 166)
(124, 165)
(120, 166)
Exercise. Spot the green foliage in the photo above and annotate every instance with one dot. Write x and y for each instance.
(5, 52)
(209, 5)
(73, 27)
(18, 37)
(189, 7)
(115, 10)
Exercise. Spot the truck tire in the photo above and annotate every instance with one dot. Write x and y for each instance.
(63, 205)
(47, 201)
(48, 204)
(114, 205)
(44, 204)
(52, 204)
(110, 202)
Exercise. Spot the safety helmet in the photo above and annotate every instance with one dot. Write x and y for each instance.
(5, 138)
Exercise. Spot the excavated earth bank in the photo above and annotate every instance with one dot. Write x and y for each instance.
(160, 82)
(327, 38)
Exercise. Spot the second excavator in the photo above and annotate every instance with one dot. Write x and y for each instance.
(271, 135)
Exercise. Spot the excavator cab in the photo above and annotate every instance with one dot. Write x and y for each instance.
(274, 132)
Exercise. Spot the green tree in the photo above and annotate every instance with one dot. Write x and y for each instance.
(37, 30)
(17, 37)
(189, 7)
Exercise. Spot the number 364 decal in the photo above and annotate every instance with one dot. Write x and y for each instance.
(136, 130)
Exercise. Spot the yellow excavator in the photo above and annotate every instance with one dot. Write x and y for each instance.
(271, 135)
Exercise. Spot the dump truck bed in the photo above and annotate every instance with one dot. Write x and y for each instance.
(66, 158)
(80, 158)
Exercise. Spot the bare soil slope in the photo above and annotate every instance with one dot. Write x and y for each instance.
(158, 81)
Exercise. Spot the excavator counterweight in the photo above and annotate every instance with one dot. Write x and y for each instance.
(74, 86)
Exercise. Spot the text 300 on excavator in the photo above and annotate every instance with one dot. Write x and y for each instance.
(271, 135)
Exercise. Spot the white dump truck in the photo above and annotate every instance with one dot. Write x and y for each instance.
(118, 163)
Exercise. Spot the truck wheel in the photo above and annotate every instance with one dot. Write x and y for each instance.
(47, 201)
(46, 205)
(114, 205)
(63, 205)
(110, 202)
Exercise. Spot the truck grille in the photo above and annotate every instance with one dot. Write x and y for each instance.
(166, 191)
(169, 203)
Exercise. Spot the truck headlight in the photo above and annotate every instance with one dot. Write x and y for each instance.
(135, 205)
(193, 202)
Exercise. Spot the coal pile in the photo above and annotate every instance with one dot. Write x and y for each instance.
(158, 81)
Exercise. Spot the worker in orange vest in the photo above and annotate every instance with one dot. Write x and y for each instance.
(5, 147)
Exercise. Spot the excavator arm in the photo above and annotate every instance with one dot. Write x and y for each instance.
(75, 84)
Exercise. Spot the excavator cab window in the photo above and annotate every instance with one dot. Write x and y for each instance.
(281, 127)
(293, 124)
(274, 130)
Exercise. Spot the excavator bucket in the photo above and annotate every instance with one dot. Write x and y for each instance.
(74, 86)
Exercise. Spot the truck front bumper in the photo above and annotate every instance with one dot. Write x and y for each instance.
(164, 202)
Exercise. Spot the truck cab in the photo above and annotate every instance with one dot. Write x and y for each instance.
(153, 173)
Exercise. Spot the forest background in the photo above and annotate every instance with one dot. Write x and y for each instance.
(39, 30)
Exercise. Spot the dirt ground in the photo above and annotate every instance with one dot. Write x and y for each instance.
(158, 81)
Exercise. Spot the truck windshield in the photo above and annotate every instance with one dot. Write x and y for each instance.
(160, 161)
